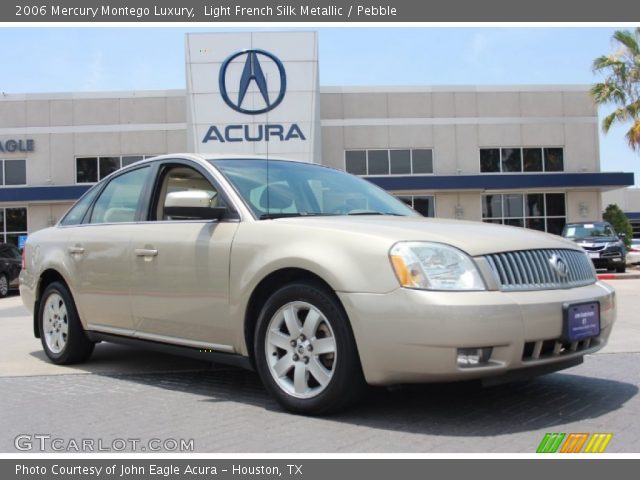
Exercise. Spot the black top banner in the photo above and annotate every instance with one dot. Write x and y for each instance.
(319, 11)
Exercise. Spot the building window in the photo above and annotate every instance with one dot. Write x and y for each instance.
(108, 165)
(417, 161)
(13, 172)
(539, 211)
(553, 160)
(378, 162)
(13, 224)
(400, 162)
(532, 159)
(526, 159)
(94, 169)
(423, 204)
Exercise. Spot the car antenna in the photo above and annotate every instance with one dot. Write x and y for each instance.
(266, 133)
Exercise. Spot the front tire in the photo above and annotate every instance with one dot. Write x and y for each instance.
(63, 338)
(305, 351)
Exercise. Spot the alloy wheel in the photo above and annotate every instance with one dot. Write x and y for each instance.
(55, 323)
(301, 349)
(4, 286)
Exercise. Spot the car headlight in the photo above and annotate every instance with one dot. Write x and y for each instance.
(434, 266)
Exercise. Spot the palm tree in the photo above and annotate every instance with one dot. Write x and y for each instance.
(621, 86)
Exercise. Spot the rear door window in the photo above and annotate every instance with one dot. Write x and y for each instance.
(120, 199)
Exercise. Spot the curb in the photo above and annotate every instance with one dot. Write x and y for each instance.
(618, 276)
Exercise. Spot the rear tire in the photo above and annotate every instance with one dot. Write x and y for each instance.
(305, 351)
(63, 339)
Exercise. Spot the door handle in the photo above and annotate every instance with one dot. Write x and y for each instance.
(75, 250)
(145, 252)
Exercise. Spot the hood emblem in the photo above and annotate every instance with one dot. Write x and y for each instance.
(559, 265)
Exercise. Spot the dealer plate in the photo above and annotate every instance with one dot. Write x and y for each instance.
(581, 321)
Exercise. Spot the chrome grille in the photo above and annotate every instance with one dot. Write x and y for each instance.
(595, 248)
(532, 269)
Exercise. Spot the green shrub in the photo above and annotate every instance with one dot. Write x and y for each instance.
(619, 221)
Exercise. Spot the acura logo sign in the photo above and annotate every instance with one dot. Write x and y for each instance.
(559, 265)
(237, 93)
(252, 73)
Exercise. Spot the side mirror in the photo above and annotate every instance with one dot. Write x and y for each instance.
(193, 204)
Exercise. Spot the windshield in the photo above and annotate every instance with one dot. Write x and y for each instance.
(278, 188)
(588, 231)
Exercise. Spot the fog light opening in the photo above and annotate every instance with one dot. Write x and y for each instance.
(474, 357)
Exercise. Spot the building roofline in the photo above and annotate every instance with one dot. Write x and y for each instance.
(454, 88)
(15, 97)
(8, 97)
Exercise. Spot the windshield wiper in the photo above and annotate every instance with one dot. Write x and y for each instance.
(269, 216)
(372, 212)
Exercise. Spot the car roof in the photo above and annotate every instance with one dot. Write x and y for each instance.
(213, 157)
(247, 157)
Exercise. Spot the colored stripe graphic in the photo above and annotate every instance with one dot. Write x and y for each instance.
(550, 443)
(598, 443)
(574, 443)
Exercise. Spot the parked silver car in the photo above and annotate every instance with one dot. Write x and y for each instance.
(317, 279)
(633, 255)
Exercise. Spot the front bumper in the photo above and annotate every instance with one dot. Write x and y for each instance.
(608, 258)
(613, 261)
(411, 336)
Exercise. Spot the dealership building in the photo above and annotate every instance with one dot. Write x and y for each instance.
(519, 155)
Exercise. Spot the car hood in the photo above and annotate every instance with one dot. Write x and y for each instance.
(475, 238)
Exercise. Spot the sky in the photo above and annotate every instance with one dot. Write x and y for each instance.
(132, 58)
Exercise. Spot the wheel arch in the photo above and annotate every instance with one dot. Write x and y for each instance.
(270, 284)
(47, 277)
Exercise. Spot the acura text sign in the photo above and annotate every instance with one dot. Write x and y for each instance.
(254, 94)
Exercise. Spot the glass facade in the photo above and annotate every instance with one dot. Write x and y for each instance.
(521, 159)
(13, 224)
(417, 161)
(539, 211)
(13, 172)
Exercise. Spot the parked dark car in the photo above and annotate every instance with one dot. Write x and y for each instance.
(601, 242)
(10, 266)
